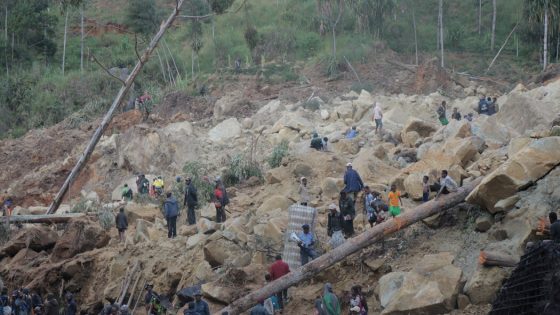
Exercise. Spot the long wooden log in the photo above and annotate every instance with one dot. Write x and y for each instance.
(127, 281)
(489, 259)
(42, 218)
(352, 246)
(109, 115)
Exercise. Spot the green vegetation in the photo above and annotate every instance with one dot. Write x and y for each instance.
(198, 172)
(278, 153)
(241, 168)
(269, 38)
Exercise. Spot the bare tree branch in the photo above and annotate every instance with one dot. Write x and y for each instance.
(106, 70)
(136, 47)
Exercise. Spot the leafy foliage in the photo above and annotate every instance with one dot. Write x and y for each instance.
(278, 153)
(198, 172)
(143, 16)
(241, 168)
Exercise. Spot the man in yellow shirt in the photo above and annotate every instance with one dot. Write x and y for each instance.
(395, 201)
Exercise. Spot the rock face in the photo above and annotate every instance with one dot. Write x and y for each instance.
(483, 286)
(36, 238)
(430, 288)
(226, 130)
(80, 236)
(526, 166)
(220, 251)
(415, 129)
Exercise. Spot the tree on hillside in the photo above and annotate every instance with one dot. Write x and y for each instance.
(371, 15)
(493, 36)
(440, 23)
(143, 16)
(545, 13)
(330, 13)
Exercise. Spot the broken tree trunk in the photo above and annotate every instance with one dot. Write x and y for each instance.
(126, 283)
(43, 218)
(489, 259)
(350, 247)
(109, 116)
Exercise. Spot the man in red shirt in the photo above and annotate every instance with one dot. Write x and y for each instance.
(278, 269)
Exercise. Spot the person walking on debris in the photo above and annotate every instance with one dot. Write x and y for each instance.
(358, 303)
(306, 245)
(378, 117)
(445, 185)
(220, 200)
(51, 305)
(191, 201)
(200, 305)
(395, 201)
(335, 222)
(346, 205)
(71, 306)
(171, 211)
(330, 301)
(441, 112)
(352, 181)
(277, 270)
(126, 193)
(159, 186)
(303, 192)
(369, 206)
(554, 227)
(142, 184)
(121, 222)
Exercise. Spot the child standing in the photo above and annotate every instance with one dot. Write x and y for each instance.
(395, 201)
(425, 189)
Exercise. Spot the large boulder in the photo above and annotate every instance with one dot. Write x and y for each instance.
(221, 251)
(274, 203)
(415, 129)
(219, 292)
(525, 167)
(227, 104)
(457, 129)
(147, 211)
(226, 130)
(413, 185)
(482, 287)
(80, 236)
(37, 238)
(431, 287)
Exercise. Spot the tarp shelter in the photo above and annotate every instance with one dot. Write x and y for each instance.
(298, 215)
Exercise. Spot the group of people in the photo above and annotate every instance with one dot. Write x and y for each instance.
(153, 305)
(143, 186)
(26, 302)
(486, 106)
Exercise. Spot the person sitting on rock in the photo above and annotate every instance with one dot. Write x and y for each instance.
(126, 193)
(121, 222)
(316, 142)
(306, 245)
(352, 133)
(446, 185)
(303, 192)
(352, 181)
(554, 227)
(455, 114)
(335, 222)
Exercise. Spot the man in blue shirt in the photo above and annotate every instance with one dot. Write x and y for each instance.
(306, 244)
(352, 181)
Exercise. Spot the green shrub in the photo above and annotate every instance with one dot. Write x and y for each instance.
(359, 86)
(312, 104)
(106, 219)
(278, 153)
(241, 168)
(198, 173)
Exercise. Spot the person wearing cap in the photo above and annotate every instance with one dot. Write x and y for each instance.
(303, 192)
(200, 306)
(352, 181)
(348, 212)
(306, 245)
(335, 223)
(220, 200)
(191, 201)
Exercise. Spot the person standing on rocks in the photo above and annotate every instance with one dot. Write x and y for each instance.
(441, 112)
(445, 186)
(378, 117)
(425, 189)
(395, 201)
(483, 106)
(335, 222)
(330, 301)
(121, 222)
(455, 114)
(51, 305)
(126, 193)
(150, 294)
(346, 205)
(71, 306)
(220, 200)
(200, 306)
(277, 270)
(306, 245)
(142, 184)
(352, 181)
(554, 227)
(368, 206)
(191, 201)
(171, 211)
(303, 192)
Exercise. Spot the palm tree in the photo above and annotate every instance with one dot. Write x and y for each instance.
(543, 12)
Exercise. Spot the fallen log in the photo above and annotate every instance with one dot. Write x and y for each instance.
(42, 218)
(350, 247)
(489, 259)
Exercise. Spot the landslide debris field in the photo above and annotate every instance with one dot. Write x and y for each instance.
(431, 267)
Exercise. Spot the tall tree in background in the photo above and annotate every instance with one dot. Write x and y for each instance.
(440, 22)
(493, 37)
(371, 15)
(143, 16)
(479, 17)
(545, 13)
(65, 38)
(330, 12)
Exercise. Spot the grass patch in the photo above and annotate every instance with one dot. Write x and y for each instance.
(278, 153)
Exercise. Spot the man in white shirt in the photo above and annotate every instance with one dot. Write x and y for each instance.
(446, 184)
(378, 117)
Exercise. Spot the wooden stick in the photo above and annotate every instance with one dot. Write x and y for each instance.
(352, 68)
(489, 259)
(351, 246)
(139, 297)
(128, 279)
(503, 45)
(109, 116)
(134, 288)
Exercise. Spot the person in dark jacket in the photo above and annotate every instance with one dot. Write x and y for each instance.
(19, 307)
(352, 181)
(26, 296)
(191, 201)
(346, 205)
(220, 200)
(200, 306)
(142, 184)
(36, 300)
(171, 211)
(259, 309)
(121, 222)
(51, 305)
(71, 306)
(335, 224)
